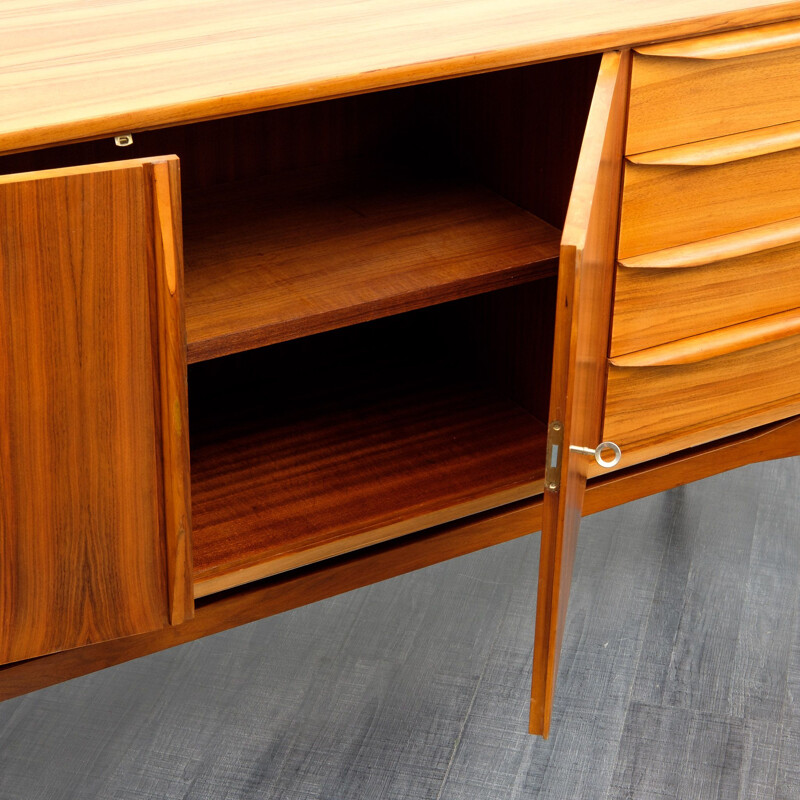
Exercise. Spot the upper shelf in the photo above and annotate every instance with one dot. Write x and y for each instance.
(71, 71)
(312, 252)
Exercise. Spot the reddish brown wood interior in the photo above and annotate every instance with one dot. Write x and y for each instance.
(314, 447)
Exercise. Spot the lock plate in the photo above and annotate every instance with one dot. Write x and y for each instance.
(555, 448)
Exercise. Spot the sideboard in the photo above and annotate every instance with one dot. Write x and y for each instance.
(300, 296)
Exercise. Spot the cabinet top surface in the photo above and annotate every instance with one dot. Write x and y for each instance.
(77, 69)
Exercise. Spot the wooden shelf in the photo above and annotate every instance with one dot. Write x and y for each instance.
(322, 477)
(301, 254)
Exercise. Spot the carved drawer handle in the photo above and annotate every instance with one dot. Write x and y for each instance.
(730, 44)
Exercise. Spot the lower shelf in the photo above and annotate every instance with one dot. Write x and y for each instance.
(374, 463)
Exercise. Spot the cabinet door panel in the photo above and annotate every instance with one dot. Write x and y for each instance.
(585, 281)
(92, 407)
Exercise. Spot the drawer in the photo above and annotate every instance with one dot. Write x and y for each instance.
(714, 85)
(703, 388)
(667, 203)
(687, 290)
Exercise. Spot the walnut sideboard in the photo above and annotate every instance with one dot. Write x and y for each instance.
(299, 296)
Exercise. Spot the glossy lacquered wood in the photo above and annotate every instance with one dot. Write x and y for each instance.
(715, 343)
(88, 366)
(164, 177)
(667, 206)
(74, 71)
(328, 578)
(654, 410)
(717, 85)
(747, 242)
(730, 44)
(715, 283)
(723, 149)
(586, 272)
(373, 463)
(308, 252)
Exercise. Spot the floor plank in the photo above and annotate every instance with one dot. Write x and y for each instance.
(705, 638)
(598, 667)
(674, 753)
(760, 668)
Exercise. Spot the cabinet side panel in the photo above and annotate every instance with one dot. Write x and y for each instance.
(81, 549)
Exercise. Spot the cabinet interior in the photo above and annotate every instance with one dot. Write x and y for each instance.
(310, 448)
(370, 299)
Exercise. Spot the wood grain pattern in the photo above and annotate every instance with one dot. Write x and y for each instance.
(651, 411)
(763, 443)
(730, 44)
(81, 532)
(383, 561)
(164, 178)
(516, 131)
(752, 241)
(723, 149)
(668, 206)
(680, 100)
(322, 250)
(586, 273)
(662, 304)
(712, 344)
(374, 463)
(75, 71)
(508, 336)
(690, 438)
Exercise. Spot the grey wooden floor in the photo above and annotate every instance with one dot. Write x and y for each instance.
(680, 678)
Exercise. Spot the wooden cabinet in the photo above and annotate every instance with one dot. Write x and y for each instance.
(368, 333)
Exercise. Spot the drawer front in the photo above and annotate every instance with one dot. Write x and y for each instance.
(669, 205)
(673, 294)
(688, 91)
(655, 410)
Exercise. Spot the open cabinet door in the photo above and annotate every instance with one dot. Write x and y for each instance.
(94, 476)
(585, 281)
